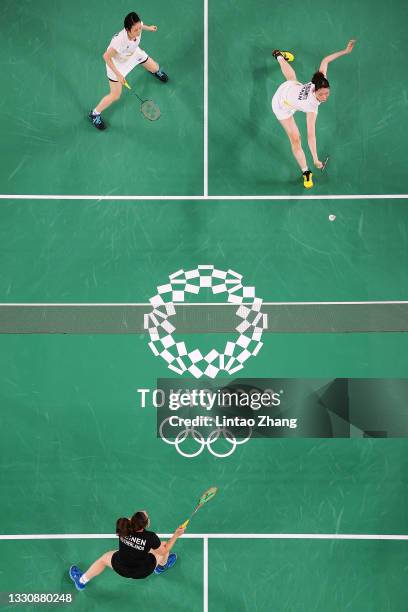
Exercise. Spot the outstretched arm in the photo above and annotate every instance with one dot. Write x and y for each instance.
(311, 138)
(162, 553)
(151, 28)
(326, 61)
(179, 532)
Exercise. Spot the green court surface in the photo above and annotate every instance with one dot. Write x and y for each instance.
(363, 126)
(57, 75)
(78, 450)
(299, 524)
(114, 594)
(308, 576)
(76, 251)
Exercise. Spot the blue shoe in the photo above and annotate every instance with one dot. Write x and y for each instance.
(97, 120)
(162, 76)
(170, 562)
(75, 574)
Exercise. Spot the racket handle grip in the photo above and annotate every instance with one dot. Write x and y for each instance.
(184, 525)
(127, 84)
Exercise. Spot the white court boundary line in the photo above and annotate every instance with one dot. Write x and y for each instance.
(193, 304)
(208, 536)
(213, 536)
(236, 198)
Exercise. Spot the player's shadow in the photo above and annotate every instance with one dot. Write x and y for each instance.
(259, 125)
(259, 95)
(266, 78)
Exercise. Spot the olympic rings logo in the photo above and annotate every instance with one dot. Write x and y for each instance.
(236, 352)
(198, 437)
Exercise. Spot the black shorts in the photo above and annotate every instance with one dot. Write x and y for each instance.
(136, 572)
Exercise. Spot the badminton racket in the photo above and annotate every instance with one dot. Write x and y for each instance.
(326, 161)
(148, 108)
(205, 497)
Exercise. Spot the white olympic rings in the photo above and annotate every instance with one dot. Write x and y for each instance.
(198, 437)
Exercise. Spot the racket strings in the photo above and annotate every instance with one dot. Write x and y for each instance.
(205, 497)
(150, 110)
(209, 494)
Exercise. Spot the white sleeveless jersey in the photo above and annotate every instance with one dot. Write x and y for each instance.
(297, 97)
(124, 47)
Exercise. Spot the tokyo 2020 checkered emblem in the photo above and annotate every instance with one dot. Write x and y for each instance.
(181, 359)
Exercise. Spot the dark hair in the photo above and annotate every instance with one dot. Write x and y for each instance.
(127, 527)
(130, 20)
(320, 81)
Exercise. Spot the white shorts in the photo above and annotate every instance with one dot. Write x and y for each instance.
(281, 110)
(138, 57)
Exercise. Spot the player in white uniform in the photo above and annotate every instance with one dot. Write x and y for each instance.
(293, 96)
(122, 55)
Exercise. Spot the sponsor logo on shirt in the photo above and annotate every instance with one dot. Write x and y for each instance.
(134, 542)
(304, 92)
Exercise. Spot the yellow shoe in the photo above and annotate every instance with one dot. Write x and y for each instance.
(307, 179)
(289, 57)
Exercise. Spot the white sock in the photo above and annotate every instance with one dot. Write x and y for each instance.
(281, 58)
(305, 169)
(83, 580)
(95, 112)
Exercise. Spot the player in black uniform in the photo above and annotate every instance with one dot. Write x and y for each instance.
(140, 552)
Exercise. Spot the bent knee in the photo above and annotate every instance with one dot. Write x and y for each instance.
(115, 95)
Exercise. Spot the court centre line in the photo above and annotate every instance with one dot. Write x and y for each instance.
(205, 574)
(226, 198)
(211, 536)
(205, 105)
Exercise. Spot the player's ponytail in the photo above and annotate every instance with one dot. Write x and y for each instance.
(320, 81)
(126, 527)
(123, 527)
(130, 21)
